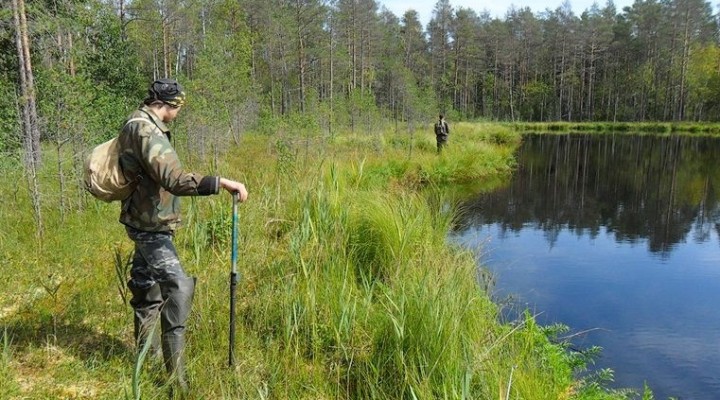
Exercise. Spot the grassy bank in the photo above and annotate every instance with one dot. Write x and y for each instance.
(349, 289)
(619, 127)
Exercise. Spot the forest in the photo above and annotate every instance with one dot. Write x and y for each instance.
(74, 67)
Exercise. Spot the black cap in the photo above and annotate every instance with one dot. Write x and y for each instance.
(169, 91)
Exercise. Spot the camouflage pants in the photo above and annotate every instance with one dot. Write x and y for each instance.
(441, 142)
(155, 259)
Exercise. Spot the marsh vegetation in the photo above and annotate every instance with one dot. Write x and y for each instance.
(349, 287)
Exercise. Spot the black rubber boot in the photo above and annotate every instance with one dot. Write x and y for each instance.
(178, 295)
(146, 304)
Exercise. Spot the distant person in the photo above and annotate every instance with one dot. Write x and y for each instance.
(160, 288)
(442, 130)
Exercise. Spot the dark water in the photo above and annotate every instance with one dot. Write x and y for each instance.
(619, 235)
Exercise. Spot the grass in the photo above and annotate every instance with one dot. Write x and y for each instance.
(348, 286)
(657, 128)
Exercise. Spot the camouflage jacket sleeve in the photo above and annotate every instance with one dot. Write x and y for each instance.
(161, 163)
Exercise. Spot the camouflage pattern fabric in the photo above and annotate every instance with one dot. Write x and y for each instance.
(148, 154)
(441, 134)
(155, 259)
(442, 130)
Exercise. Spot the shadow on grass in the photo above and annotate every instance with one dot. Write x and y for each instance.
(82, 341)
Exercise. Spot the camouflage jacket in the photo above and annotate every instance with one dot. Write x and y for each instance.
(148, 156)
(442, 129)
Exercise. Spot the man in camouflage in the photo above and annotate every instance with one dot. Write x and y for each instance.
(442, 130)
(158, 283)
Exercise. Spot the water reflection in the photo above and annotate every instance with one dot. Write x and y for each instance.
(662, 189)
(617, 235)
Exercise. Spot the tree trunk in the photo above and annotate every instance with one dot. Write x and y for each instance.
(301, 53)
(684, 66)
(332, 78)
(28, 111)
(27, 87)
(166, 49)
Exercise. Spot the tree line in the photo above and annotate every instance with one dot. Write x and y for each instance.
(74, 65)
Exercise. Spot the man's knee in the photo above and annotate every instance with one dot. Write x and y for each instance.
(177, 294)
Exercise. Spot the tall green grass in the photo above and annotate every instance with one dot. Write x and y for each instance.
(349, 288)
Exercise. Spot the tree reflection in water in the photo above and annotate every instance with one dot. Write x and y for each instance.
(640, 187)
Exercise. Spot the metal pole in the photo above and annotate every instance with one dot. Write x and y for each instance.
(233, 277)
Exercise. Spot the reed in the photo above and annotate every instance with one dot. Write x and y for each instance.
(8, 386)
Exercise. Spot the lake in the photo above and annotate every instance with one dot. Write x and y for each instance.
(615, 236)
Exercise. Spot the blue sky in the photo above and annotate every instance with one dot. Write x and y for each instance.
(496, 8)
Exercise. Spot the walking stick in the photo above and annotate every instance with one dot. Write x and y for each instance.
(233, 277)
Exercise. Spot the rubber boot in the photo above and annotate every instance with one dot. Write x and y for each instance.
(146, 304)
(178, 295)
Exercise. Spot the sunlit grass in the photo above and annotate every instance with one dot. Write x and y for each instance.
(348, 286)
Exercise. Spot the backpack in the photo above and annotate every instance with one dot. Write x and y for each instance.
(103, 175)
(440, 129)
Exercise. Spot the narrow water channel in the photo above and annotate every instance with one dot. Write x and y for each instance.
(616, 236)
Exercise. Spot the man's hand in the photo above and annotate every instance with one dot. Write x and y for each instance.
(234, 187)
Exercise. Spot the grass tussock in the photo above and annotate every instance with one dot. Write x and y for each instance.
(348, 288)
